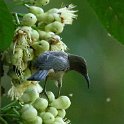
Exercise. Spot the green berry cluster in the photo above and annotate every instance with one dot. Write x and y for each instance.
(37, 31)
(37, 109)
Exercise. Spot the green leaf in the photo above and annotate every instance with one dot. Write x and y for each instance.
(111, 15)
(6, 26)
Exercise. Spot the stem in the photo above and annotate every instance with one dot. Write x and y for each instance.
(7, 109)
(20, 14)
(9, 105)
(2, 120)
(17, 19)
(10, 115)
(27, 5)
(16, 112)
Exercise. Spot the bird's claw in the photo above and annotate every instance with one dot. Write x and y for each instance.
(58, 95)
(44, 93)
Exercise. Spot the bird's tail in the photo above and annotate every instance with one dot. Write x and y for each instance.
(39, 75)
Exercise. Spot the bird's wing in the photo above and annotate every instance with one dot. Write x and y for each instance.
(52, 60)
(38, 75)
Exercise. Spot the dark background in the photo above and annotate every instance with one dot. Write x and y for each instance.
(103, 103)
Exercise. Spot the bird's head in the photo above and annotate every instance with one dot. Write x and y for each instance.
(78, 64)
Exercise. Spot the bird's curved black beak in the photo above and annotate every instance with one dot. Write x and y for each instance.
(87, 80)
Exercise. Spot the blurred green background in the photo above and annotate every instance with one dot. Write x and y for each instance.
(103, 103)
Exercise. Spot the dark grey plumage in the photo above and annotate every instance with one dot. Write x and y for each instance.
(53, 64)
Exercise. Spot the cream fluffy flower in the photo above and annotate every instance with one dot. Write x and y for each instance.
(16, 92)
(67, 14)
(56, 44)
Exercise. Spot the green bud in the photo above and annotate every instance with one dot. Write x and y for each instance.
(53, 111)
(51, 17)
(41, 114)
(48, 118)
(25, 107)
(59, 120)
(51, 96)
(29, 96)
(29, 19)
(38, 120)
(40, 104)
(41, 17)
(34, 35)
(61, 113)
(41, 25)
(43, 35)
(35, 10)
(53, 10)
(40, 47)
(62, 102)
(29, 114)
(55, 27)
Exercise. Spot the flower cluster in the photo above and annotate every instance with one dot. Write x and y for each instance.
(38, 109)
(37, 31)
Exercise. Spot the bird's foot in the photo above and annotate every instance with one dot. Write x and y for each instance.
(58, 95)
(44, 93)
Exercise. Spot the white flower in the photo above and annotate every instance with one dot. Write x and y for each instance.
(16, 91)
(67, 14)
(56, 44)
(60, 46)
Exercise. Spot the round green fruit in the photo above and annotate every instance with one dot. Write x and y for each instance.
(43, 35)
(29, 19)
(29, 96)
(38, 120)
(59, 120)
(62, 102)
(29, 114)
(34, 35)
(51, 96)
(40, 104)
(53, 111)
(40, 47)
(56, 27)
(61, 113)
(35, 10)
(53, 10)
(48, 118)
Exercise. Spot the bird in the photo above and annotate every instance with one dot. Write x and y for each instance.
(52, 65)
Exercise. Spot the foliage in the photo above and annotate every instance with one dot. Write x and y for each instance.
(111, 15)
(6, 26)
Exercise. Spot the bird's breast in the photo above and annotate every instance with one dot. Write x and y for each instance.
(55, 75)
